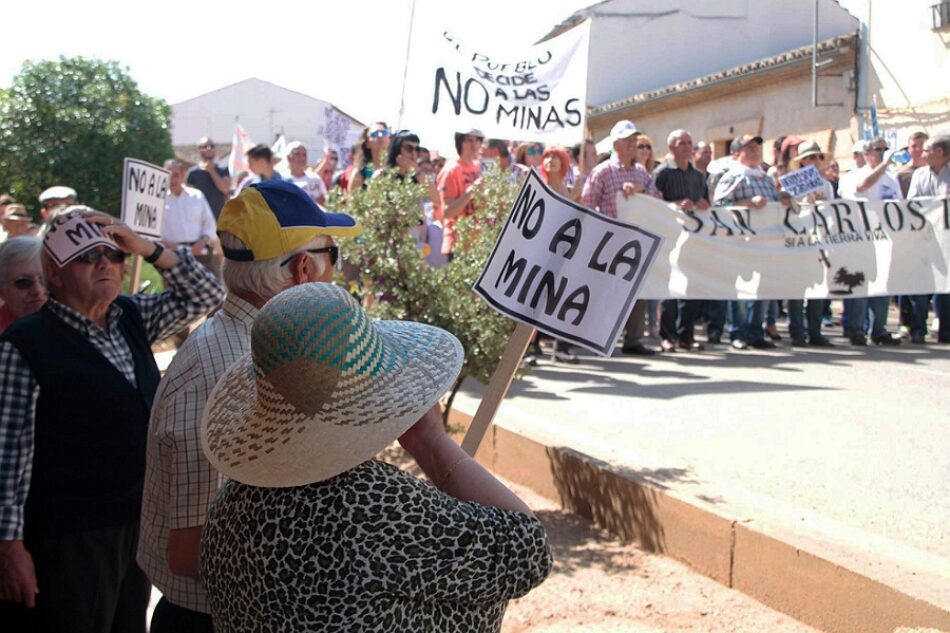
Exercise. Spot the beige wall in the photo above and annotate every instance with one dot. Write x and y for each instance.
(769, 111)
(910, 67)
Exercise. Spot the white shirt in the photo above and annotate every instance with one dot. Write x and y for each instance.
(885, 188)
(188, 217)
(313, 185)
(925, 182)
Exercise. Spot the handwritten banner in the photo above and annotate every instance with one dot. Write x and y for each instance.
(835, 249)
(802, 181)
(143, 197)
(538, 93)
(565, 269)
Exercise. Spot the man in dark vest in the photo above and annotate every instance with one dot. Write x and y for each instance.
(77, 379)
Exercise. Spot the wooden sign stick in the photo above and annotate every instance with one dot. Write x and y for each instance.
(498, 387)
(136, 274)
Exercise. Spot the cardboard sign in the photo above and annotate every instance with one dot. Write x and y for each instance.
(565, 269)
(143, 197)
(70, 235)
(536, 93)
(802, 182)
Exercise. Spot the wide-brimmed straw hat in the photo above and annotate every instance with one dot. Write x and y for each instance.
(323, 389)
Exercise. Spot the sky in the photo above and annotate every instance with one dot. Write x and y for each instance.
(350, 53)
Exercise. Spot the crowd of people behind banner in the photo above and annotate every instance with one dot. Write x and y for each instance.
(97, 502)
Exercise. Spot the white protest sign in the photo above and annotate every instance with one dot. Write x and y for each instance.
(802, 182)
(536, 93)
(143, 197)
(566, 269)
(70, 235)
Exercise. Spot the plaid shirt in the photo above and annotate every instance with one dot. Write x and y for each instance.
(607, 180)
(179, 481)
(193, 291)
(742, 183)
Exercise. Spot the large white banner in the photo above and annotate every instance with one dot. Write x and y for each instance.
(565, 269)
(538, 93)
(837, 249)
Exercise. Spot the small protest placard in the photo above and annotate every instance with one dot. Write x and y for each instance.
(802, 182)
(565, 269)
(69, 235)
(143, 197)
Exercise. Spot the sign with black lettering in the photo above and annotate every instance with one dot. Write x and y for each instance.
(143, 197)
(802, 181)
(830, 249)
(70, 235)
(536, 93)
(565, 269)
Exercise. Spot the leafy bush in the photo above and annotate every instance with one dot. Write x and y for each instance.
(395, 282)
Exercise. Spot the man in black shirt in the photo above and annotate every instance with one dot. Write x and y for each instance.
(681, 183)
(210, 179)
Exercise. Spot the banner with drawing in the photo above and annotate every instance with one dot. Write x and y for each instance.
(835, 249)
(536, 93)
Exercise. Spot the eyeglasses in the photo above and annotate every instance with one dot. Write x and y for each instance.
(534, 151)
(410, 149)
(644, 146)
(94, 256)
(334, 252)
(379, 133)
(27, 283)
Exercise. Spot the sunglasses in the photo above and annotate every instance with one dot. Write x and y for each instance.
(334, 252)
(644, 146)
(410, 149)
(379, 133)
(206, 146)
(877, 149)
(27, 283)
(94, 256)
(533, 151)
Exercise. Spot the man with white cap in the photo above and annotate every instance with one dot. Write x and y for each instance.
(622, 174)
(274, 237)
(56, 197)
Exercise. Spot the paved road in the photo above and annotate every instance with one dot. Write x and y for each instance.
(853, 442)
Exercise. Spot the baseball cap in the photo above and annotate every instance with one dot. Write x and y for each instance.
(741, 141)
(622, 130)
(58, 192)
(472, 132)
(275, 217)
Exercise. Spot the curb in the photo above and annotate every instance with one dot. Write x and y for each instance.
(814, 584)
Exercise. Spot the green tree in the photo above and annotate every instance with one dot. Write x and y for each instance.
(395, 282)
(71, 122)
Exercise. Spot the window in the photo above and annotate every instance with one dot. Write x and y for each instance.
(941, 15)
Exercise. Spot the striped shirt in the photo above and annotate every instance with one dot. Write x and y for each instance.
(744, 183)
(680, 184)
(607, 180)
(179, 481)
(193, 291)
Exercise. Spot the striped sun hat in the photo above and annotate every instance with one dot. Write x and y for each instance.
(323, 389)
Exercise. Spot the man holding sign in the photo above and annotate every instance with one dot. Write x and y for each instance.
(79, 378)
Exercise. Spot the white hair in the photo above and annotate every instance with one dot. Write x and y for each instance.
(18, 250)
(266, 278)
(675, 134)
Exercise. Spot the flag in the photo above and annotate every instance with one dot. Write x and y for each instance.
(240, 143)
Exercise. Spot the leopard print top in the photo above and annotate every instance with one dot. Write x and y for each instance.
(373, 549)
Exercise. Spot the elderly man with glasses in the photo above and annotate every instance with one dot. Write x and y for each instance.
(78, 382)
(274, 237)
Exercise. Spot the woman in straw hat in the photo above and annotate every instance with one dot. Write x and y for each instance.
(311, 533)
(809, 154)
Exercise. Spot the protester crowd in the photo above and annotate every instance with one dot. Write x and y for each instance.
(242, 484)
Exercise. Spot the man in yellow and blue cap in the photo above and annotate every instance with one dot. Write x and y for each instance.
(274, 236)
